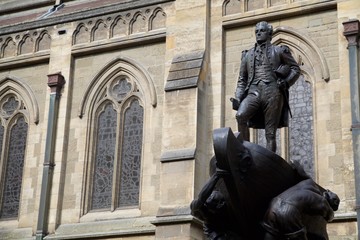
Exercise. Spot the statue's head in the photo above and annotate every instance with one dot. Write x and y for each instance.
(215, 202)
(332, 199)
(263, 32)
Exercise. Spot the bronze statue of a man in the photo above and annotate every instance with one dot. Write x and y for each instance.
(261, 97)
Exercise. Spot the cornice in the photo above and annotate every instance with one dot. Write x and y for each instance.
(15, 6)
(275, 13)
(76, 16)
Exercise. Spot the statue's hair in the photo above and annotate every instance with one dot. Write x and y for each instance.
(268, 27)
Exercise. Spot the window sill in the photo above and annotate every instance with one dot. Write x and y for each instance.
(105, 229)
(107, 215)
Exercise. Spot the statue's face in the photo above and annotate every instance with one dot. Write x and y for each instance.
(261, 32)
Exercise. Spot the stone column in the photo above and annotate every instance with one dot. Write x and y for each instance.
(55, 82)
(60, 61)
(352, 33)
(183, 118)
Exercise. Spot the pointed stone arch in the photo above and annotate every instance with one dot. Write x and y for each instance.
(8, 49)
(314, 68)
(157, 19)
(26, 45)
(19, 87)
(232, 7)
(119, 27)
(99, 31)
(43, 41)
(117, 67)
(137, 23)
(81, 34)
(312, 60)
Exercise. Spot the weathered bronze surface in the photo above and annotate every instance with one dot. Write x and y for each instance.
(261, 98)
(254, 194)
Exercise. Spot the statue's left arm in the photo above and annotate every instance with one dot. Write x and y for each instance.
(288, 59)
(242, 82)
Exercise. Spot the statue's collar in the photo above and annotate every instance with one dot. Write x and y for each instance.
(262, 45)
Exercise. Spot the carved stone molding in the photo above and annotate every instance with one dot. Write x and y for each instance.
(238, 13)
(18, 87)
(24, 43)
(178, 155)
(120, 6)
(120, 68)
(352, 32)
(119, 25)
(310, 52)
(231, 7)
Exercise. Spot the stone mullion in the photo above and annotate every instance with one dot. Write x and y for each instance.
(3, 163)
(185, 50)
(60, 67)
(117, 161)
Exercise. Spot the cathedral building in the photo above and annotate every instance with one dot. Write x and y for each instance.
(107, 109)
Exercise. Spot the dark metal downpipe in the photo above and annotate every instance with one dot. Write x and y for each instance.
(352, 34)
(55, 82)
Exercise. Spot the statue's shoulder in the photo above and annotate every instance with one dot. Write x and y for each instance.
(247, 52)
(284, 48)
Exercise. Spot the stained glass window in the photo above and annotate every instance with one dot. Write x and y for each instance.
(131, 155)
(118, 142)
(104, 158)
(14, 169)
(301, 125)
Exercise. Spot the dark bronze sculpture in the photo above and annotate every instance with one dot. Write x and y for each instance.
(254, 194)
(261, 97)
(286, 216)
(212, 207)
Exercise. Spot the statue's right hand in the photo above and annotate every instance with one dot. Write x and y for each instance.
(235, 103)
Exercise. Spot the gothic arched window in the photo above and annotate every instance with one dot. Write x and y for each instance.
(117, 137)
(13, 136)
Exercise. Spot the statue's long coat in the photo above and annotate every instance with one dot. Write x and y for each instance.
(278, 57)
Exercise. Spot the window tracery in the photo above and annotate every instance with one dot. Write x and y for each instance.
(118, 138)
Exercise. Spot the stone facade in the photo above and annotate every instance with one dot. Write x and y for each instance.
(181, 58)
